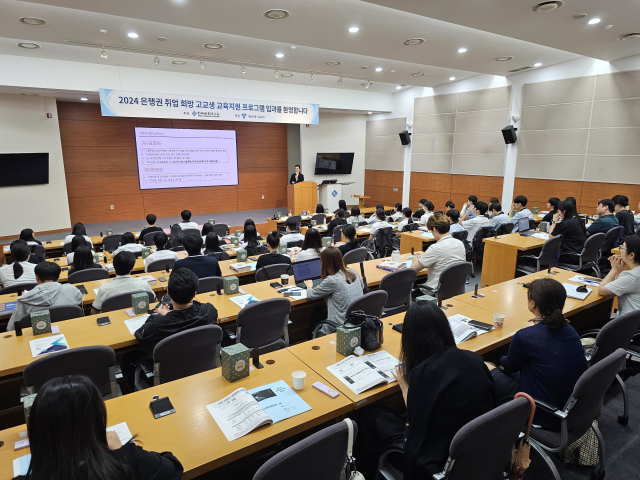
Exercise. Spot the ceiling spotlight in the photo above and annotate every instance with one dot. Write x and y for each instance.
(593, 21)
(156, 61)
(340, 80)
(213, 46)
(393, 71)
(201, 66)
(286, 75)
(452, 78)
(276, 14)
(537, 64)
(369, 113)
(33, 21)
(503, 59)
(132, 35)
(608, 27)
(332, 63)
(378, 69)
(103, 55)
(279, 55)
(353, 29)
(367, 85)
(243, 70)
(84, 99)
(179, 62)
(29, 45)
(413, 41)
(462, 50)
(275, 73)
(579, 16)
(545, 7)
(103, 31)
(417, 74)
(398, 87)
(292, 47)
(311, 77)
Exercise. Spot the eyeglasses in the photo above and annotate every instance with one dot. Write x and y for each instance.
(622, 248)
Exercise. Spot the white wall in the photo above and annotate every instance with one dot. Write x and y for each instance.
(25, 128)
(336, 132)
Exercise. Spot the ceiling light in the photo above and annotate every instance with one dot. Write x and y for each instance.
(156, 61)
(33, 21)
(340, 80)
(593, 21)
(213, 46)
(579, 16)
(366, 85)
(364, 67)
(417, 74)
(393, 71)
(369, 113)
(311, 79)
(103, 31)
(286, 75)
(378, 69)
(398, 87)
(545, 7)
(29, 45)
(276, 14)
(279, 55)
(608, 27)
(629, 36)
(179, 62)
(84, 99)
(537, 64)
(243, 70)
(452, 78)
(332, 64)
(103, 54)
(132, 35)
(462, 50)
(201, 66)
(275, 73)
(413, 41)
(353, 29)
(292, 47)
(503, 59)
(161, 39)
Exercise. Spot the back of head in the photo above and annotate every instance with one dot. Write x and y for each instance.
(430, 206)
(549, 296)
(568, 209)
(160, 239)
(78, 229)
(27, 235)
(273, 240)
(349, 231)
(151, 219)
(211, 243)
(319, 208)
(332, 263)
(439, 223)
(622, 200)
(425, 332)
(20, 252)
(482, 207)
(192, 244)
(342, 204)
(46, 271)
(521, 199)
(406, 212)
(554, 202)
(78, 241)
(123, 263)
(183, 284)
(251, 236)
(494, 200)
(380, 213)
(206, 229)
(380, 206)
(340, 213)
(177, 236)
(186, 215)
(248, 222)
(632, 246)
(572, 200)
(608, 204)
(355, 211)
(128, 238)
(398, 207)
(291, 224)
(473, 199)
(450, 204)
(82, 259)
(453, 214)
(495, 206)
(422, 201)
(312, 240)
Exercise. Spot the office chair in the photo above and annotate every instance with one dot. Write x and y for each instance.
(547, 257)
(264, 325)
(356, 255)
(160, 265)
(273, 272)
(20, 287)
(221, 229)
(148, 239)
(398, 286)
(453, 280)
(57, 314)
(88, 275)
(588, 258)
(192, 231)
(371, 303)
(209, 284)
(320, 218)
(123, 300)
(111, 242)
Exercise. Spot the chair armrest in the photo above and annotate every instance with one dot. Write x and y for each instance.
(119, 375)
(527, 256)
(589, 333)
(550, 408)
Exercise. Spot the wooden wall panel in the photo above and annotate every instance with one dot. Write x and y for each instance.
(98, 209)
(538, 191)
(379, 185)
(170, 202)
(439, 188)
(106, 158)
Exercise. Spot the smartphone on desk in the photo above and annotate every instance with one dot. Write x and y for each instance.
(480, 325)
(275, 285)
(161, 407)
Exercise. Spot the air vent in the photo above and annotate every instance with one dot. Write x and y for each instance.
(33, 21)
(503, 59)
(213, 46)
(28, 45)
(545, 7)
(579, 16)
(629, 36)
(179, 62)
(286, 75)
(522, 69)
(332, 64)
(276, 14)
(413, 41)
(417, 74)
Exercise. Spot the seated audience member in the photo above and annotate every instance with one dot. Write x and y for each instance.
(177, 237)
(637, 215)
(319, 208)
(490, 212)
(33, 258)
(203, 266)
(27, 236)
(338, 220)
(186, 221)
(498, 217)
(374, 218)
(342, 205)
(248, 222)
(474, 224)
(544, 360)
(429, 207)
(82, 260)
(623, 283)
(311, 247)
(606, 220)
(406, 219)
(469, 207)
(212, 246)
(48, 293)
(352, 243)
(446, 251)
(150, 228)
(380, 222)
(624, 215)
(443, 388)
(77, 242)
(69, 439)
(572, 230)
(161, 252)
(454, 217)
(251, 244)
(129, 244)
(355, 215)
(207, 228)
(449, 206)
(292, 235)
(494, 200)
(21, 270)
(273, 257)
(421, 209)
(397, 212)
(575, 203)
(552, 206)
(521, 211)
(123, 263)
(78, 229)
(339, 287)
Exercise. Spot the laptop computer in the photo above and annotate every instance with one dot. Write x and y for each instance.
(307, 270)
(523, 227)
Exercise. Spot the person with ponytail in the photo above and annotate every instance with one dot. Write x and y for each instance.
(544, 360)
(273, 257)
(20, 271)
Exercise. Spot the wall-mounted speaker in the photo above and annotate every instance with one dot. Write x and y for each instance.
(405, 137)
(509, 134)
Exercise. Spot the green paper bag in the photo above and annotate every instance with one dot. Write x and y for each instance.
(146, 252)
(231, 285)
(140, 303)
(41, 322)
(326, 241)
(235, 362)
(212, 221)
(109, 231)
(347, 340)
(241, 255)
(282, 249)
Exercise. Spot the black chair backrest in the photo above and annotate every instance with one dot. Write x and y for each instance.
(19, 287)
(411, 227)
(356, 255)
(295, 244)
(532, 224)
(94, 362)
(616, 333)
(550, 250)
(88, 275)
(320, 218)
(66, 248)
(592, 247)
(461, 235)
(453, 279)
(187, 353)
(123, 300)
(111, 242)
(191, 231)
(259, 250)
(209, 284)
(611, 239)
(337, 233)
(371, 304)
(398, 286)
(38, 250)
(221, 256)
(505, 228)
(383, 242)
(160, 265)
(320, 456)
(148, 238)
(476, 243)
(262, 324)
(221, 229)
(273, 272)
(57, 314)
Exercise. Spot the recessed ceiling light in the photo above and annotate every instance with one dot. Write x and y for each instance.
(353, 29)
(452, 78)
(413, 41)
(398, 87)
(213, 46)
(292, 47)
(629, 36)
(286, 74)
(417, 74)
(378, 69)
(276, 14)
(579, 16)
(393, 71)
(537, 64)
(179, 62)
(369, 113)
(33, 21)
(84, 99)
(545, 7)
(593, 21)
(132, 35)
(103, 31)
(503, 59)
(608, 27)
(332, 64)
(29, 45)
(462, 50)
(161, 39)
(279, 55)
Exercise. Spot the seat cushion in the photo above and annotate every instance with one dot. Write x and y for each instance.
(526, 268)
(546, 437)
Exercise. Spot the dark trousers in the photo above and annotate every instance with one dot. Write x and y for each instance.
(378, 430)
(130, 361)
(506, 385)
(318, 315)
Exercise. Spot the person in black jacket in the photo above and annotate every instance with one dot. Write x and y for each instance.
(82, 260)
(203, 266)
(68, 439)
(352, 242)
(296, 177)
(337, 221)
(552, 206)
(573, 231)
(150, 228)
(273, 257)
(624, 216)
(443, 388)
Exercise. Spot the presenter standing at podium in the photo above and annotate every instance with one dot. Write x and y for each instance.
(296, 177)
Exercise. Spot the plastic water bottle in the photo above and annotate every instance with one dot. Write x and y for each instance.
(395, 256)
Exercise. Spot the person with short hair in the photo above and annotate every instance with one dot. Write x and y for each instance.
(454, 217)
(624, 215)
(491, 201)
(469, 207)
(606, 220)
(338, 220)
(445, 252)
(292, 234)
(319, 208)
(449, 206)
(623, 280)
(297, 176)
(406, 219)
(123, 263)
(521, 211)
(498, 217)
(273, 257)
(48, 293)
(150, 228)
(380, 222)
(429, 207)
(352, 242)
(566, 223)
(77, 242)
(203, 266)
(552, 206)
(311, 247)
(21, 270)
(186, 223)
(397, 213)
(161, 253)
(478, 221)
(82, 260)
(544, 360)
(129, 244)
(420, 211)
(78, 229)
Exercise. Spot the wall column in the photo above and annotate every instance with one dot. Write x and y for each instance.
(406, 179)
(511, 155)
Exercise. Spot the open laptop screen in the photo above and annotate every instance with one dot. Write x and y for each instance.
(308, 270)
(523, 224)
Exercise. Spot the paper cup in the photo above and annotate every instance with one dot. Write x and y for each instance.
(284, 279)
(498, 320)
(298, 379)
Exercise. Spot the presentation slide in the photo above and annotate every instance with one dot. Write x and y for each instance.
(180, 157)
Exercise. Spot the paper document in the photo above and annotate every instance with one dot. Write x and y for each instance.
(21, 465)
(572, 291)
(303, 292)
(279, 401)
(7, 307)
(238, 414)
(244, 300)
(122, 429)
(362, 373)
(46, 345)
(461, 330)
(364, 229)
(586, 280)
(135, 323)
(541, 236)
(427, 235)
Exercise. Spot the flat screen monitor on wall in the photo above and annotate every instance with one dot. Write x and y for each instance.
(182, 157)
(18, 169)
(334, 163)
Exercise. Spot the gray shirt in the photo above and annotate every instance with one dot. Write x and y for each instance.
(338, 294)
(43, 296)
(627, 288)
(120, 284)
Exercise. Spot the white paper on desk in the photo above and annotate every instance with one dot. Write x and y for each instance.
(21, 465)
(122, 429)
(95, 290)
(238, 414)
(279, 401)
(362, 373)
(541, 236)
(384, 363)
(572, 291)
(62, 243)
(244, 300)
(595, 282)
(47, 345)
(365, 229)
(134, 324)
(461, 330)
(110, 267)
(303, 292)
(427, 235)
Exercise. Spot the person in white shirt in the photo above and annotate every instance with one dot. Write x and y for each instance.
(406, 220)
(520, 207)
(374, 218)
(186, 221)
(311, 247)
(449, 206)
(292, 235)
(468, 207)
(498, 217)
(123, 263)
(379, 223)
(161, 253)
(430, 207)
(479, 220)
(129, 244)
(623, 280)
(247, 222)
(20, 271)
(454, 216)
(77, 241)
(445, 252)
(78, 229)
(355, 215)
(397, 213)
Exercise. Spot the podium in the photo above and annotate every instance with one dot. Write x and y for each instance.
(302, 196)
(330, 195)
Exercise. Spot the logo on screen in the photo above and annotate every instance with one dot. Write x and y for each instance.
(194, 113)
(334, 193)
(244, 115)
